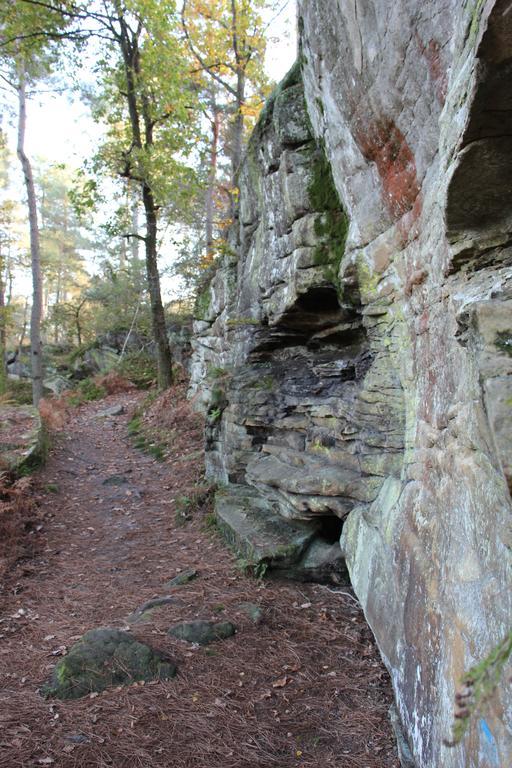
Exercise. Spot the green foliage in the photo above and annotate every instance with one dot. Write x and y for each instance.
(249, 567)
(139, 368)
(216, 372)
(214, 415)
(86, 392)
(477, 687)
(184, 506)
(78, 352)
(144, 440)
(504, 342)
(158, 80)
(267, 383)
(210, 522)
(202, 305)
(19, 391)
(134, 425)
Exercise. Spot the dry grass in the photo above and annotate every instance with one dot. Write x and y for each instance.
(19, 518)
(114, 383)
(54, 413)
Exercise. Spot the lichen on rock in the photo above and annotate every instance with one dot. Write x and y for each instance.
(374, 270)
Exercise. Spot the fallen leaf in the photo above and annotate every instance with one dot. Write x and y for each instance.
(281, 682)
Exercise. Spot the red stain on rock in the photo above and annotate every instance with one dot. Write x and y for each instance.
(409, 225)
(384, 144)
(432, 53)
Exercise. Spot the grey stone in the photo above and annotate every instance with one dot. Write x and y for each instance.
(145, 611)
(23, 439)
(115, 480)
(182, 578)
(203, 632)
(253, 611)
(257, 532)
(103, 658)
(116, 410)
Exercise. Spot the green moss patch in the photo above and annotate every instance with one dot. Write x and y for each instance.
(331, 225)
(103, 658)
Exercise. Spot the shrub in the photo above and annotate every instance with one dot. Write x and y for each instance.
(139, 368)
(86, 391)
(19, 391)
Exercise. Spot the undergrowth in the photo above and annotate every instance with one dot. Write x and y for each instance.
(17, 512)
(143, 439)
(139, 368)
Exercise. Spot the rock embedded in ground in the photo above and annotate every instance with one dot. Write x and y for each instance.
(268, 542)
(116, 410)
(182, 578)
(146, 610)
(253, 612)
(251, 525)
(103, 658)
(323, 563)
(115, 480)
(23, 438)
(203, 632)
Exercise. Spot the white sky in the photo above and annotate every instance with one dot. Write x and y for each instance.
(60, 129)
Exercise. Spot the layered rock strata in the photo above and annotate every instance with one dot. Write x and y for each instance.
(353, 353)
(292, 373)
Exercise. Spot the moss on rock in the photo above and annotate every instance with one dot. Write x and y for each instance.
(103, 658)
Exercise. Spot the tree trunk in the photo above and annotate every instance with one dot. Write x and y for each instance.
(238, 130)
(238, 122)
(35, 252)
(212, 180)
(164, 356)
(136, 108)
(3, 331)
(134, 210)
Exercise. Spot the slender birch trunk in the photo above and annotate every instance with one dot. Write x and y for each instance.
(35, 251)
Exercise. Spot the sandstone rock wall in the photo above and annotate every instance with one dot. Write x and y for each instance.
(354, 350)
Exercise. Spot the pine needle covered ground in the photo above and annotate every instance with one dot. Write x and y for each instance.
(304, 687)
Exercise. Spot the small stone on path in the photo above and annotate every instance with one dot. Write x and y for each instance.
(116, 410)
(203, 632)
(145, 611)
(115, 480)
(252, 611)
(182, 578)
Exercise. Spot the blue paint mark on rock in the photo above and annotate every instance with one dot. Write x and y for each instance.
(488, 747)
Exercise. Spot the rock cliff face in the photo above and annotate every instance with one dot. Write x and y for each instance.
(353, 352)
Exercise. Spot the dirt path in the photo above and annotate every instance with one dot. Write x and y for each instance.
(303, 688)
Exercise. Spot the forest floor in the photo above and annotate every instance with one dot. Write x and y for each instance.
(303, 688)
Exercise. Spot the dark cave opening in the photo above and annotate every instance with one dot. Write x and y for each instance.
(321, 300)
(330, 528)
